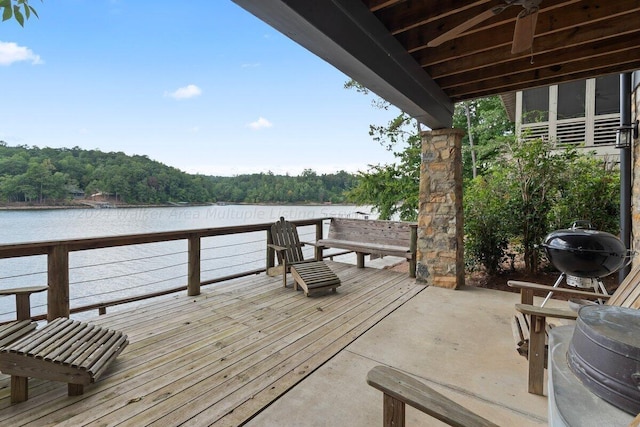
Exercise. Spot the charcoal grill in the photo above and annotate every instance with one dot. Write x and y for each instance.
(584, 255)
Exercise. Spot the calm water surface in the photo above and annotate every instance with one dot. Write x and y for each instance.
(112, 273)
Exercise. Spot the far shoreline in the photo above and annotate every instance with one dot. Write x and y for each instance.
(19, 207)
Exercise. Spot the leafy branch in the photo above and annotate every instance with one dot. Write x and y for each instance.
(20, 10)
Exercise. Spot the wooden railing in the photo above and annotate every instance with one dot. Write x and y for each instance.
(57, 252)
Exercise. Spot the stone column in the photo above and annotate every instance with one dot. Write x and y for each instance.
(440, 258)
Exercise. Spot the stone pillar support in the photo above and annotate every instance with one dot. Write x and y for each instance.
(440, 259)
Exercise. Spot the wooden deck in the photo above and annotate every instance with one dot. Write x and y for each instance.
(218, 358)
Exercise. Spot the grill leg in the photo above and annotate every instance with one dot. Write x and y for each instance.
(555, 285)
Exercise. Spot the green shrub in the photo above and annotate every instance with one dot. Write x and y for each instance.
(487, 222)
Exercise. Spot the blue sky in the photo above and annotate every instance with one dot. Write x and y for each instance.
(201, 85)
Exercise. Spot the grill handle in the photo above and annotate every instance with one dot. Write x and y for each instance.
(582, 224)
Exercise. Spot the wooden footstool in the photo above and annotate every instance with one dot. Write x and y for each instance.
(64, 350)
(314, 277)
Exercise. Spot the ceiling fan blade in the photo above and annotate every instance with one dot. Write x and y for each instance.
(456, 31)
(525, 30)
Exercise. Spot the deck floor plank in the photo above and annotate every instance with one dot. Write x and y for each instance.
(219, 357)
(259, 374)
(233, 368)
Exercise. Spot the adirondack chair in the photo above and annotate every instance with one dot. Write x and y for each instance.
(626, 295)
(312, 275)
(400, 389)
(64, 350)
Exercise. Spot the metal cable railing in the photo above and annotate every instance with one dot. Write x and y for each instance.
(110, 275)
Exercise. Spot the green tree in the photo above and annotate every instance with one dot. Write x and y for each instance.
(488, 126)
(538, 170)
(393, 188)
(39, 177)
(590, 191)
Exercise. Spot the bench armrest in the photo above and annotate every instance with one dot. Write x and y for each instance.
(404, 389)
(25, 290)
(23, 305)
(548, 288)
(314, 244)
(276, 247)
(556, 313)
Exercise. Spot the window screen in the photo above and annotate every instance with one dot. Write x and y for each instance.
(571, 97)
(608, 94)
(535, 105)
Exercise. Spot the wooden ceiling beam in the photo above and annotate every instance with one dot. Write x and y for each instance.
(572, 38)
(583, 75)
(551, 59)
(419, 13)
(375, 5)
(576, 70)
(574, 21)
(417, 38)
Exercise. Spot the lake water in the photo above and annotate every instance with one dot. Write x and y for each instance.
(112, 273)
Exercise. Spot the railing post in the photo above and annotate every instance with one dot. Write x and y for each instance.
(193, 285)
(319, 235)
(271, 254)
(413, 247)
(58, 278)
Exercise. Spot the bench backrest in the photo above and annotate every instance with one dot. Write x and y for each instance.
(371, 231)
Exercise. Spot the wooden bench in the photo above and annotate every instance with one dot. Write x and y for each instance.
(376, 238)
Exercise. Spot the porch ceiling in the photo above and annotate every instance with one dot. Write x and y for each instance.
(383, 45)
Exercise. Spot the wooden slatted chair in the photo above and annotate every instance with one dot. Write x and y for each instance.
(312, 275)
(64, 350)
(10, 332)
(626, 295)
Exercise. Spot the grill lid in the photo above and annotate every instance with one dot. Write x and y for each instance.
(585, 252)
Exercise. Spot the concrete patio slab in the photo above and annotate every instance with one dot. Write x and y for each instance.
(459, 342)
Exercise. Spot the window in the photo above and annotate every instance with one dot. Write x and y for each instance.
(535, 105)
(571, 97)
(608, 94)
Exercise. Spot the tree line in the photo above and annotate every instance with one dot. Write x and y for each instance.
(57, 176)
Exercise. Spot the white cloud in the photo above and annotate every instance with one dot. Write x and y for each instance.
(252, 65)
(261, 123)
(11, 52)
(189, 91)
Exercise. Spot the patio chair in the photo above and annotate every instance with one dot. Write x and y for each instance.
(312, 275)
(63, 350)
(400, 389)
(626, 295)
